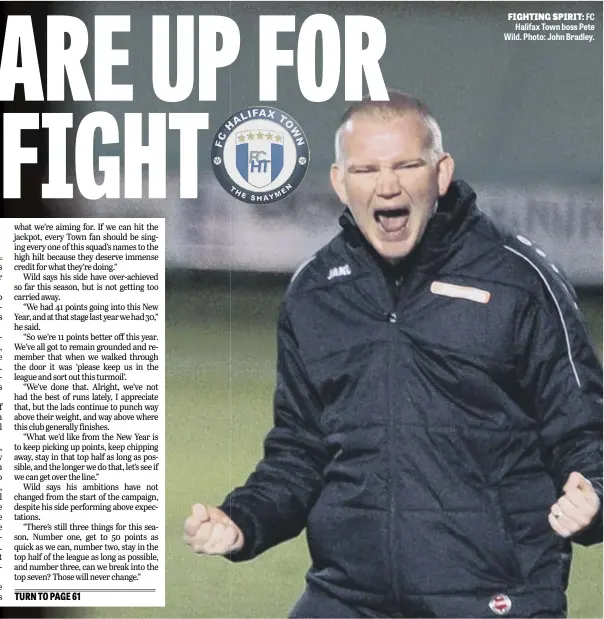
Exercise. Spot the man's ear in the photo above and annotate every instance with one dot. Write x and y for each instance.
(336, 177)
(444, 170)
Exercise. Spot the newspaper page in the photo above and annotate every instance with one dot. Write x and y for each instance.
(166, 171)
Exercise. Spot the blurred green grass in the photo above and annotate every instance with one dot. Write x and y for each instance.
(219, 384)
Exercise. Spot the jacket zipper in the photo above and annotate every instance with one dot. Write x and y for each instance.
(392, 318)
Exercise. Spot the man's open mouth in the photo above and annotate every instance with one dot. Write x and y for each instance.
(392, 220)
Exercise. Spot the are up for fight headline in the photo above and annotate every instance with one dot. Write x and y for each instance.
(363, 42)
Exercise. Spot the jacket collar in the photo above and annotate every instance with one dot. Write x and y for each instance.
(456, 212)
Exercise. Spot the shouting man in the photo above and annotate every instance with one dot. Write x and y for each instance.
(438, 409)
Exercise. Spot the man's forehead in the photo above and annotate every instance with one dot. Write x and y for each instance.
(378, 122)
(368, 132)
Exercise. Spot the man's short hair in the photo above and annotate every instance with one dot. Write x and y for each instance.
(399, 104)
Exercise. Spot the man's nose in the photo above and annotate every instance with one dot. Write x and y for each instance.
(388, 185)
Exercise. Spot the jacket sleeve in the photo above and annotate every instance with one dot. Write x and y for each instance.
(562, 377)
(276, 499)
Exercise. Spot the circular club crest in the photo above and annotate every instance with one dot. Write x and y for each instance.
(260, 155)
(500, 604)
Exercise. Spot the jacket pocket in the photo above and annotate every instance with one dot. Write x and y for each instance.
(509, 550)
(356, 562)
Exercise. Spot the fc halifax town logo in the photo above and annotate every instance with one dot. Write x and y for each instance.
(260, 155)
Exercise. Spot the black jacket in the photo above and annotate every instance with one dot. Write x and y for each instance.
(421, 436)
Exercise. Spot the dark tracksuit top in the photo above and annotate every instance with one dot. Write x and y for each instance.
(421, 436)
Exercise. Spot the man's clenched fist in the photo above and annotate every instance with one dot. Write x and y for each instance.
(208, 530)
(576, 508)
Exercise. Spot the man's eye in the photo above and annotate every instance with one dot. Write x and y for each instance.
(363, 170)
(408, 166)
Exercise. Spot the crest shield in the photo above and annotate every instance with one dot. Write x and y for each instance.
(259, 156)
